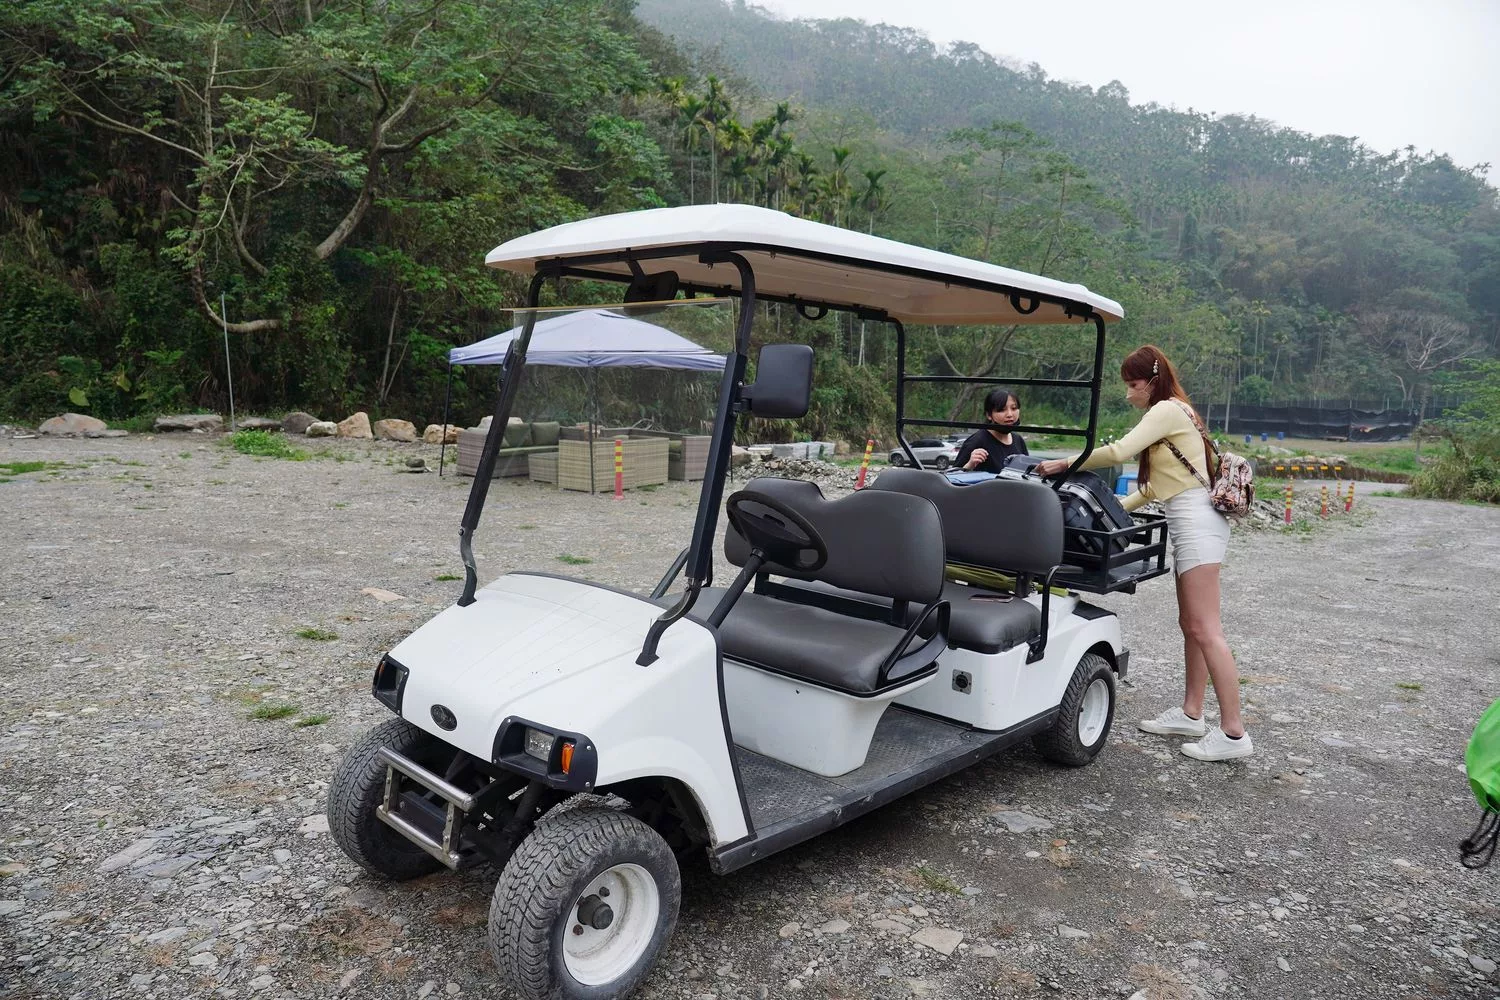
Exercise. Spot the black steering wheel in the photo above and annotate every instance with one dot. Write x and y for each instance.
(779, 533)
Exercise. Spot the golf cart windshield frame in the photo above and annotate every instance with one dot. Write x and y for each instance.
(730, 401)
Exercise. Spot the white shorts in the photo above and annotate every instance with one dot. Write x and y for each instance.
(1199, 534)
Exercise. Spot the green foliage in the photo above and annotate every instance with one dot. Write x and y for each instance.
(271, 713)
(313, 720)
(265, 444)
(574, 560)
(1471, 470)
(317, 634)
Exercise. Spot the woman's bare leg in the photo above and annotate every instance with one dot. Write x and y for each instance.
(1197, 666)
(1198, 614)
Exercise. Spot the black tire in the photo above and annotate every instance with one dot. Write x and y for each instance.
(356, 790)
(1063, 743)
(941, 463)
(898, 459)
(536, 900)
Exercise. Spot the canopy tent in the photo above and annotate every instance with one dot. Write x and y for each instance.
(587, 338)
(594, 338)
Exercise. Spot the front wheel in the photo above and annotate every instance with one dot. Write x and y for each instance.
(356, 790)
(941, 463)
(898, 459)
(584, 907)
(1084, 718)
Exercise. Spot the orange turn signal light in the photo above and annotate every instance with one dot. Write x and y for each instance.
(567, 756)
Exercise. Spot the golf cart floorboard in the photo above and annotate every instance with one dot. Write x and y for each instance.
(909, 750)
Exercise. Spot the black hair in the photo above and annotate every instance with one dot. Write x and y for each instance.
(997, 400)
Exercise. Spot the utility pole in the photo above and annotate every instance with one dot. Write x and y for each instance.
(228, 367)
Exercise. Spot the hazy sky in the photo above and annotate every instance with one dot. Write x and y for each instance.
(1420, 72)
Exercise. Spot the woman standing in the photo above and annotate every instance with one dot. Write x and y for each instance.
(986, 450)
(1199, 536)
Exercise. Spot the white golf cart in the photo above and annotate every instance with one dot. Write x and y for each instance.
(581, 738)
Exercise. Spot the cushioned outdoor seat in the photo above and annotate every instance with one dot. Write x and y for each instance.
(807, 642)
(981, 620)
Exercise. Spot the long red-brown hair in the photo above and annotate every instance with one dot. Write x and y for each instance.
(1149, 364)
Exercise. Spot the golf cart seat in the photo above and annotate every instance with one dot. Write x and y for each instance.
(1008, 525)
(889, 546)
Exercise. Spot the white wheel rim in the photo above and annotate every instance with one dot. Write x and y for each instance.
(1094, 712)
(598, 957)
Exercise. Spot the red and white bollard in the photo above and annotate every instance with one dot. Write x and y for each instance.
(619, 468)
(1325, 501)
(1289, 500)
(864, 466)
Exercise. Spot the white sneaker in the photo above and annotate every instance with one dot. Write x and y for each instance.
(1173, 722)
(1217, 746)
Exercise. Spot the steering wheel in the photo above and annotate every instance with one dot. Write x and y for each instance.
(779, 533)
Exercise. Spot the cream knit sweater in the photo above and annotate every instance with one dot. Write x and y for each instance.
(1169, 477)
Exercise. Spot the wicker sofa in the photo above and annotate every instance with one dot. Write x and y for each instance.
(522, 440)
(687, 454)
(645, 462)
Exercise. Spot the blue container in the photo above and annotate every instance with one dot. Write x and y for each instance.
(1281, 435)
(1247, 438)
(1124, 485)
(1264, 436)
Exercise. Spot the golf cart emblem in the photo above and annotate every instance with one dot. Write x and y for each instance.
(444, 717)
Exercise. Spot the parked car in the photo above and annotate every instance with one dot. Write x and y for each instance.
(934, 453)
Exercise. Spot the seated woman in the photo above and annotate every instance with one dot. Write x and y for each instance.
(986, 450)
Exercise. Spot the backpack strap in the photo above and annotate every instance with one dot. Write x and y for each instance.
(1207, 445)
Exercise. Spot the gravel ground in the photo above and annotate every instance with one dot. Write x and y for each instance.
(157, 840)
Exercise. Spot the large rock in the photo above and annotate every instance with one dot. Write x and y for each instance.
(257, 424)
(72, 425)
(204, 422)
(440, 434)
(297, 422)
(321, 429)
(740, 456)
(357, 426)
(395, 430)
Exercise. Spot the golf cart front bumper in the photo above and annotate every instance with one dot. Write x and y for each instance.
(438, 832)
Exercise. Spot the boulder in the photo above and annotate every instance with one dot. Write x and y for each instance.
(109, 432)
(738, 457)
(484, 423)
(395, 430)
(72, 425)
(357, 426)
(204, 422)
(321, 429)
(297, 422)
(257, 424)
(440, 434)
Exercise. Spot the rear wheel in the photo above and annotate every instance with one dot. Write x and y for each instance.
(1084, 718)
(584, 907)
(898, 459)
(356, 791)
(941, 463)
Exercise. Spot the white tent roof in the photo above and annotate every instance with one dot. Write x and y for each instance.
(594, 338)
(807, 260)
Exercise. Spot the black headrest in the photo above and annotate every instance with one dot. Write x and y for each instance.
(1000, 523)
(888, 544)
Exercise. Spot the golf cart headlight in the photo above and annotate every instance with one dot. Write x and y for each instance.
(538, 744)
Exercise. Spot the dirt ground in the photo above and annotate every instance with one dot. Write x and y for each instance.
(158, 839)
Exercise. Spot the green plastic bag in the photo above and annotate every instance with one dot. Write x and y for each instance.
(1483, 764)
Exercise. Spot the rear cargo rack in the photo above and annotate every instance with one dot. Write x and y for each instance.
(1106, 571)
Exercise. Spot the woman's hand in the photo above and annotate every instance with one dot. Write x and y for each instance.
(976, 458)
(1052, 467)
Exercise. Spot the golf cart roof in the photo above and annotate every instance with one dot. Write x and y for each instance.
(805, 262)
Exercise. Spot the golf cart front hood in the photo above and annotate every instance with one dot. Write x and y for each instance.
(520, 650)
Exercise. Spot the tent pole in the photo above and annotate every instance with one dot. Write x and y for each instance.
(443, 436)
(593, 422)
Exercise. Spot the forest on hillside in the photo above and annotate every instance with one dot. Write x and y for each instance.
(333, 171)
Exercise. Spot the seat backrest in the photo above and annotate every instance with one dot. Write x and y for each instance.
(1007, 524)
(888, 544)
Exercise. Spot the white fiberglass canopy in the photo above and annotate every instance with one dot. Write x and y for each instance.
(808, 261)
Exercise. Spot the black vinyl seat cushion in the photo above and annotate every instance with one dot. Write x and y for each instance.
(980, 620)
(809, 643)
